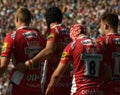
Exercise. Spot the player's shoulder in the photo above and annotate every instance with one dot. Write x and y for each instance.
(54, 30)
(101, 38)
(59, 27)
(35, 29)
(10, 34)
(84, 41)
(77, 42)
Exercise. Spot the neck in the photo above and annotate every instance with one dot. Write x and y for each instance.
(110, 31)
(81, 36)
(53, 24)
(21, 25)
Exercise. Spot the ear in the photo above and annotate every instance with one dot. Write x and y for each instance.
(16, 19)
(106, 26)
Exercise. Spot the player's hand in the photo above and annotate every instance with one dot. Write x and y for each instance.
(49, 91)
(21, 67)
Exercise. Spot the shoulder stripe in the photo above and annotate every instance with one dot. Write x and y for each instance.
(13, 35)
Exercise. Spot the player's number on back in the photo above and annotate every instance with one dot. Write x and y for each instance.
(91, 64)
(92, 68)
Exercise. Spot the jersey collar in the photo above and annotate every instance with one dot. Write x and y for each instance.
(56, 25)
(111, 33)
(22, 27)
(82, 36)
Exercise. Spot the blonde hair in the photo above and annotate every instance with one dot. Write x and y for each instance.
(24, 15)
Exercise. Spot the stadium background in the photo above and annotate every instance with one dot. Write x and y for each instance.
(86, 12)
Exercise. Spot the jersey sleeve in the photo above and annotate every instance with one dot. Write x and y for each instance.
(53, 35)
(7, 47)
(66, 55)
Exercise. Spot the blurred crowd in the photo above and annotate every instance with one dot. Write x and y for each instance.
(85, 12)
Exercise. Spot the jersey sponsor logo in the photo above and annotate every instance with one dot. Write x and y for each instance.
(64, 54)
(89, 56)
(28, 50)
(92, 50)
(116, 54)
(116, 40)
(33, 77)
(32, 51)
(30, 34)
(86, 42)
(64, 31)
(4, 47)
(92, 92)
(34, 43)
(51, 35)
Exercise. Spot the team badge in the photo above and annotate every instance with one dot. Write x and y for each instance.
(64, 54)
(4, 47)
(86, 42)
(51, 35)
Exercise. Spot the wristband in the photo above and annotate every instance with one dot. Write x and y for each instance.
(29, 63)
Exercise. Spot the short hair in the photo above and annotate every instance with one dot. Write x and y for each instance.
(24, 15)
(111, 19)
(53, 14)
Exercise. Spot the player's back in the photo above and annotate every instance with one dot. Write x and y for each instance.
(29, 42)
(88, 67)
(25, 43)
(111, 42)
(60, 35)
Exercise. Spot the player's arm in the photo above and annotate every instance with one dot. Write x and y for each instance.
(6, 53)
(51, 46)
(43, 54)
(4, 64)
(61, 68)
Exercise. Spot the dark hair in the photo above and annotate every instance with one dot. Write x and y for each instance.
(111, 19)
(24, 15)
(53, 14)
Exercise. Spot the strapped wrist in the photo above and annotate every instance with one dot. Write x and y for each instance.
(29, 63)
